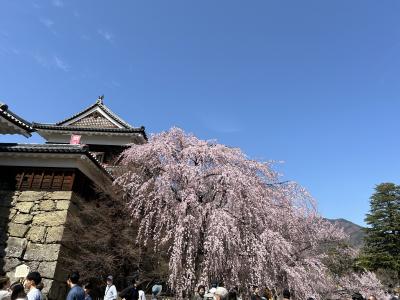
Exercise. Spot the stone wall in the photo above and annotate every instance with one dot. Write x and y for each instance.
(32, 229)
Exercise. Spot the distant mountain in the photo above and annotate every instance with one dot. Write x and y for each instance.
(353, 230)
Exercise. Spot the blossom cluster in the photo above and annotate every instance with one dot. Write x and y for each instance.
(222, 216)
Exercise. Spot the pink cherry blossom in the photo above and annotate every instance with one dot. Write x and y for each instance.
(221, 215)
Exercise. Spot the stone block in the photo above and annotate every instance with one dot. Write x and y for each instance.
(30, 196)
(15, 247)
(47, 286)
(60, 195)
(10, 274)
(51, 270)
(36, 234)
(54, 218)
(11, 263)
(54, 234)
(12, 213)
(17, 230)
(42, 252)
(23, 218)
(24, 207)
(47, 205)
(62, 204)
(33, 265)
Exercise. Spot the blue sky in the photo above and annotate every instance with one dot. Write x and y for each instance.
(312, 83)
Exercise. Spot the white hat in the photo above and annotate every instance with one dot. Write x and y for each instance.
(221, 291)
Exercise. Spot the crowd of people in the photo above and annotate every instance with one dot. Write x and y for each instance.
(31, 289)
(221, 293)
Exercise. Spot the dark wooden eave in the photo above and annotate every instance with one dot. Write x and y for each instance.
(54, 148)
(21, 126)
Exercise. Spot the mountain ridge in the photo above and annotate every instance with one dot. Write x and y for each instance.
(355, 232)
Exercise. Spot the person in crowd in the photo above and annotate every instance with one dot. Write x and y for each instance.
(32, 280)
(394, 293)
(156, 290)
(111, 290)
(267, 294)
(209, 296)
(372, 297)
(221, 293)
(201, 290)
(357, 296)
(75, 292)
(5, 292)
(214, 285)
(18, 291)
(286, 294)
(87, 289)
(274, 295)
(131, 292)
(142, 295)
(256, 293)
(232, 295)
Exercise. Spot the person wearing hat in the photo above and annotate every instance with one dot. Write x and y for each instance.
(111, 290)
(5, 293)
(156, 290)
(220, 293)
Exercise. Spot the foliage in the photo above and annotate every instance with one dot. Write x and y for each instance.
(341, 260)
(101, 241)
(365, 283)
(222, 215)
(382, 241)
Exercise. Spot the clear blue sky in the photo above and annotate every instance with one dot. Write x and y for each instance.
(312, 83)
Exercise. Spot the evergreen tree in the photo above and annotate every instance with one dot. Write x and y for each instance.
(382, 241)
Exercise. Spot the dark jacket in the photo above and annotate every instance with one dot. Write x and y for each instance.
(130, 293)
(76, 293)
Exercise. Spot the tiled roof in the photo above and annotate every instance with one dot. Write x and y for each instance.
(99, 103)
(96, 118)
(53, 148)
(15, 119)
(43, 148)
(93, 129)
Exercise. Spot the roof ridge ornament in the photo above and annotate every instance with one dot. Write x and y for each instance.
(3, 106)
(100, 99)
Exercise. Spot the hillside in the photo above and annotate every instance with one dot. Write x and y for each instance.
(353, 230)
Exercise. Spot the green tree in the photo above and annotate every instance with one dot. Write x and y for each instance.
(381, 249)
